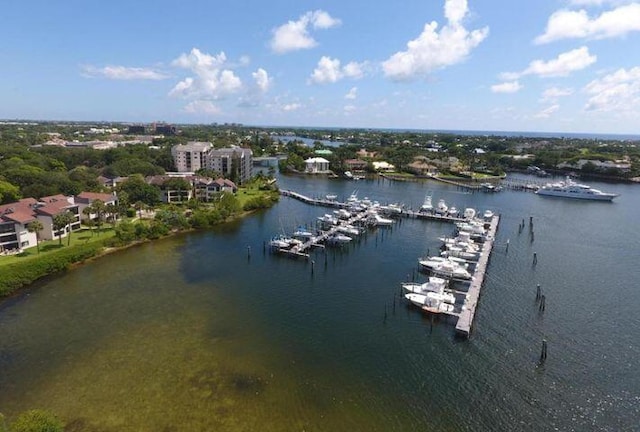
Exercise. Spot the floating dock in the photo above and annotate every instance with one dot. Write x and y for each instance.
(466, 316)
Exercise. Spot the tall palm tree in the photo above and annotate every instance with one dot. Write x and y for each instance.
(111, 211)
(59, 222)
(98, 207)
(35, 226)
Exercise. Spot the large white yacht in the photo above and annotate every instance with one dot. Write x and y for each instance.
(571, 189)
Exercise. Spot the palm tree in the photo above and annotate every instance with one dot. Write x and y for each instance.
(88, 222)
(60, 221)
(111, 211)
(139, 205)
(98, 207)
(35, 226)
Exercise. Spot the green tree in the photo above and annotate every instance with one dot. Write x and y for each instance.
(98, 208)
(37, 421)
(8, 192)
(59, 222)
(35, 226)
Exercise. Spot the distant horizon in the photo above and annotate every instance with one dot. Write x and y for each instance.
(469, 132)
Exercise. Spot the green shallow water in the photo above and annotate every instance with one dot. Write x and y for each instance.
(128, 347)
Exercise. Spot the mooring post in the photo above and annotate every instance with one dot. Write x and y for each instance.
(507, 251)
(538, 292)
(248, 253)
(532, 237)
(543, 351)
(543, 300)
(313, 264)
(535, 258)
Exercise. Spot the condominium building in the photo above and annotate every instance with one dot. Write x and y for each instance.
(233, 162)
(190, 157)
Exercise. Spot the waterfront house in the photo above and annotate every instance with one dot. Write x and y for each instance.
(316, 165)
(383, 166)
(355, 164)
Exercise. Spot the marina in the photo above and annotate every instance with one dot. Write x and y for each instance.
(466, 313)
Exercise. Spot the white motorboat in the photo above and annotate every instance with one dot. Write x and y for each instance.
(302, 232)
(427, 206)
(338, 238)
(458, 252)
(331, 197)
(282, 242)
(469, 213)
(452, 211)
(442, 208)
(430, 302)
(571, 189)
(434, 284)
(391, 209)
(450, 267)
(348, 229)
(342, 213)
(328, 219)
(378, 220)
(488, 214)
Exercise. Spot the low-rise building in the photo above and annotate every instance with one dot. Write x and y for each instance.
(316, 165)
(355, 164)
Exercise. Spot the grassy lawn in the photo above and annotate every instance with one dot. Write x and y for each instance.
(81, 236)
(250, 191)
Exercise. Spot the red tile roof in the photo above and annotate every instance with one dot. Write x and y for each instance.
(92, 196)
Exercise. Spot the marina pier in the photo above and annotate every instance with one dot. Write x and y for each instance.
(464, 313)
(466, 316)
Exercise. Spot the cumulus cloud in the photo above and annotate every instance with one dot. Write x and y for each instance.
(507, 87)
(291, 106)
(349, 109)
(294, 35)
(555, 93)
(433, 50)
(210, 81)
(563, 65)
(202, 107)
(262, 80)
(546, 113)
(618, 91)
(352, 93)
(123, 73)
(568, 24)
(329, 71)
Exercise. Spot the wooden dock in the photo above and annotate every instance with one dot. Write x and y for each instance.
(465, 320)
(407, 213)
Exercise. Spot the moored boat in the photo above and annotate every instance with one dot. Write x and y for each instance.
(570, 189)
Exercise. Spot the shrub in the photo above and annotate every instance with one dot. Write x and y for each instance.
(19, 274)
(37, 421)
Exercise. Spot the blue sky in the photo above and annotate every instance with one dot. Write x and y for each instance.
(544, 65)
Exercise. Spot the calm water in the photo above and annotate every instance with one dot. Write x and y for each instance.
(191, 334)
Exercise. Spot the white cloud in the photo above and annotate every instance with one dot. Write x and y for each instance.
(566, 24)
(123, 73)
(352, 93)
(434, 50)
(211, 80)
(618, 91)
(202, 107)
(349, 109)
(562, 65)
(554, 93)
(294, 35)
(262, 79)
(546, 113)
(291, 107)
(330, 71)
(507, 87)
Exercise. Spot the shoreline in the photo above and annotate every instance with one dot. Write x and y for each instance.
(23, 290)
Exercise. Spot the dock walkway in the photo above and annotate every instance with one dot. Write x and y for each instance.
(465, 320)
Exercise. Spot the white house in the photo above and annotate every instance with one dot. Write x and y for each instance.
(316, 165)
